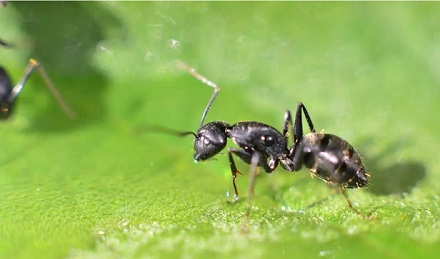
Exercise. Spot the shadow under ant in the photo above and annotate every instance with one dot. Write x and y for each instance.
(397, 178)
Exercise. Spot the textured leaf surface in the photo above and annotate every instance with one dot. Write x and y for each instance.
(93, 187)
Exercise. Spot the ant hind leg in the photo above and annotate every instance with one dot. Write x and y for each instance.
(342, 189)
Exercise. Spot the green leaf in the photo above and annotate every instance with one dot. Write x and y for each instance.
(95, 187)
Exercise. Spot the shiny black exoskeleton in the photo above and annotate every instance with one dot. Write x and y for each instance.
(9, 93)
(332, 159)
(327, 156)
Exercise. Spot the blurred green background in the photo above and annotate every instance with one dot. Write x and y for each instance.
(92, 187)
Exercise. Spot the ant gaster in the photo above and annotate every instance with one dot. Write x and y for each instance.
(327, 156)
(9, 93)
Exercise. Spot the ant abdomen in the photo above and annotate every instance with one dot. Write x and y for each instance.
(333, 160)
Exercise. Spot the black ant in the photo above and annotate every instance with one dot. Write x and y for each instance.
(9, 93)
(327, 156)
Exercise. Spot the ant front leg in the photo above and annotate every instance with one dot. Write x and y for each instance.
(247, 158)
(234, 170)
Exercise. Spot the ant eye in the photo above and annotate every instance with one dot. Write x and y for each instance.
(205, 141)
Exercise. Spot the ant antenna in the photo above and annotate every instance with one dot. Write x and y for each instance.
(161, 129)
(204, 80)
(29, 69)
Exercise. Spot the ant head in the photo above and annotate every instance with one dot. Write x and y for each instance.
(210, 140)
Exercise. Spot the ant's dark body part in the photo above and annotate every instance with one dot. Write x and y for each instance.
(327, 156)
(9, 93)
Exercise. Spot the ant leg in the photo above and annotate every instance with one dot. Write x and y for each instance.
(298, 130)
(29, 69)
(287, 122)
(298, 133)
(306, 114)
(204, 80)
(297, 127)
(247, 158)
(252, 174)
(350, 205)
(234, 171)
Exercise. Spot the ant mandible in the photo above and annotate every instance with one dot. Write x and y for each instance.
(9, 93)
(327, 156)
